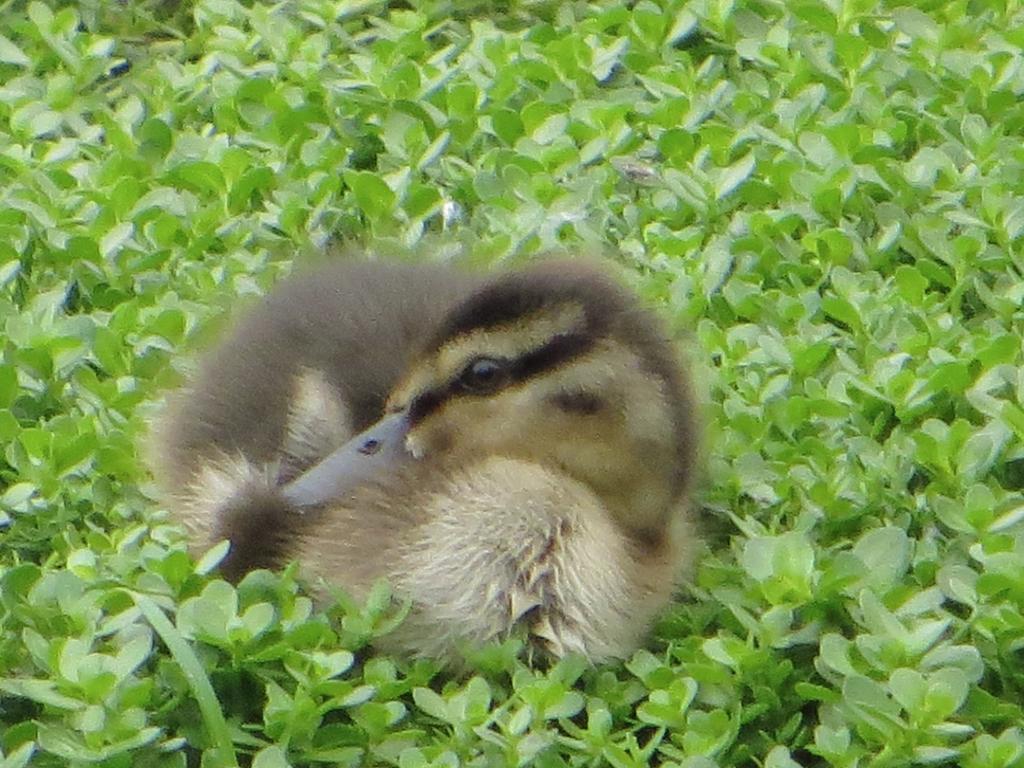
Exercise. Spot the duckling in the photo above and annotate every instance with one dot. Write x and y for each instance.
(513, 453)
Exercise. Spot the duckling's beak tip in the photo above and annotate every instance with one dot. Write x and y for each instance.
(373, 453)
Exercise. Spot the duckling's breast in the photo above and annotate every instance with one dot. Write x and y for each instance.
(507, 547)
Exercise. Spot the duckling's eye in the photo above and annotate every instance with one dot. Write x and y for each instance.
(485, 374)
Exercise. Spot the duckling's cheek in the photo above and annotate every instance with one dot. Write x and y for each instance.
(416, 446)
(430, 440)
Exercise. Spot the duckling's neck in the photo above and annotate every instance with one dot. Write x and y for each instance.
(633, 491)
(641, 512)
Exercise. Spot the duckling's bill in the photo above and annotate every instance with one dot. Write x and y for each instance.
(371, 454)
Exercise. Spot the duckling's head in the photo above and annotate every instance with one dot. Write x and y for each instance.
(558, 365)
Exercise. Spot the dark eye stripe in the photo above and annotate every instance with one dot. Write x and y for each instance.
(426, 403)
(535, 362)
(551, 355)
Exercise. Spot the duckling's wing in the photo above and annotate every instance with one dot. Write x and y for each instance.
(306, 369)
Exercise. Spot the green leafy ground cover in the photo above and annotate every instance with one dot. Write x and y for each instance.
(828, 195)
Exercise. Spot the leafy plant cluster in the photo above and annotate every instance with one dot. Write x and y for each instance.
(827, 196)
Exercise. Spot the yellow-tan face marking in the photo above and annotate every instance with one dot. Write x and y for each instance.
(621, 447)
(576, 393)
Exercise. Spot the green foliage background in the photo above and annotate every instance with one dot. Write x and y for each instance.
(828, 195)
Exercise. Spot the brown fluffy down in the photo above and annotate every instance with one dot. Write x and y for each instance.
(551, 504)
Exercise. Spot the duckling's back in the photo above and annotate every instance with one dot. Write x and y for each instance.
(305, 369)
